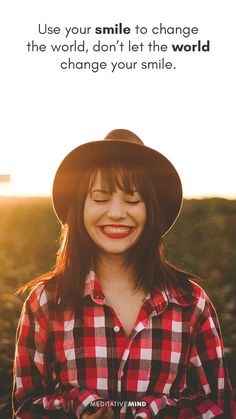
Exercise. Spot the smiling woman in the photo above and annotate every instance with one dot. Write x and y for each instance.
(113, 215)
(115, 322)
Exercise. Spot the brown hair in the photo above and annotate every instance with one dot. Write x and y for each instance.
(77, 251)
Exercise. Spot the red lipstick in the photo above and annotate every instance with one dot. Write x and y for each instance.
(116, 231)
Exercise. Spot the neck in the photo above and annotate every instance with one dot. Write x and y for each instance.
(113, 275)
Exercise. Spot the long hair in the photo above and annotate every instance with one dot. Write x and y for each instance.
(77, 252)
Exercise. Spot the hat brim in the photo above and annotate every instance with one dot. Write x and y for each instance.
(164, 174)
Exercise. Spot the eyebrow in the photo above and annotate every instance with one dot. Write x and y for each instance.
(109, 193)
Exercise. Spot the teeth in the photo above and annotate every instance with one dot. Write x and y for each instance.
(116, 230)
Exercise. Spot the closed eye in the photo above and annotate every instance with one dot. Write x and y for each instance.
(99, 201)
(133, 202)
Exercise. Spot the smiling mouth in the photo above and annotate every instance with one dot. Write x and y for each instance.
(116, 231)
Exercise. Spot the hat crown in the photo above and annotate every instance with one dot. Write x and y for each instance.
(123, 135)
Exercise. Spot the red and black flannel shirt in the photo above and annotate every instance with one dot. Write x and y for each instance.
(173, 359)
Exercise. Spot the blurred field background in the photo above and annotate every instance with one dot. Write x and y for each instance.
(202, 242)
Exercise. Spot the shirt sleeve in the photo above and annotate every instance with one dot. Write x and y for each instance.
(209, 393)
(35, 393)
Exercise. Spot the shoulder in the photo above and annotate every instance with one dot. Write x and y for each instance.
(192, 294)
(195, 304)
(42, 298)
(198, 292)
(200, 295)
(204, 309)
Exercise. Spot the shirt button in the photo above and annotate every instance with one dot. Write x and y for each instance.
(57, 404)
(116, 329)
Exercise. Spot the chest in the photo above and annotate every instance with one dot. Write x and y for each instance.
(127, 310)
(98, 356)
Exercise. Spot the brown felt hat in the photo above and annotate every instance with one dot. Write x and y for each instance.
(117, 144)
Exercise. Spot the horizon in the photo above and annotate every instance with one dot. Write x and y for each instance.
(185, 197)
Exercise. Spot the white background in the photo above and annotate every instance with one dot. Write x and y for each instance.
(188, 114)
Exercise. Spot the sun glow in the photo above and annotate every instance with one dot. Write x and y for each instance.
(30, 177)
(184, 113)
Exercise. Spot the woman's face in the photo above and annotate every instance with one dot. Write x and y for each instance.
(114, 221)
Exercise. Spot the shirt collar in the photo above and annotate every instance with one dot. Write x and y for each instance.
(180, 298)
(93, 288)
(160, 300)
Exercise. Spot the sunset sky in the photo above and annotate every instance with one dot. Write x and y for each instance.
(187, 113)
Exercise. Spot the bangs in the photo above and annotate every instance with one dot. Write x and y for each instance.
(124, 175)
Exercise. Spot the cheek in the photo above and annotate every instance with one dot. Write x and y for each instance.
(142, 216)
(91, 216)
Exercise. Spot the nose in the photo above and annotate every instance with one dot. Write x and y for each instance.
(116, 210)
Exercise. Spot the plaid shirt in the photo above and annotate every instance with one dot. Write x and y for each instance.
(172, 360)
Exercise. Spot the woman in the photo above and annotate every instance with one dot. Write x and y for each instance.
(115, 330)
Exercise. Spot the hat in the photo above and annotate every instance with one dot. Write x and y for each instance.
(117, 144)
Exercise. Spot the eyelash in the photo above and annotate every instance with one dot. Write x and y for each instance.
(133, 202)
